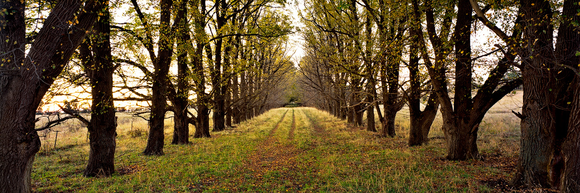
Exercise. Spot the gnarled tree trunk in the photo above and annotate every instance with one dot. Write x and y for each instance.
(421, 121)
(25, 79)
(537, 114)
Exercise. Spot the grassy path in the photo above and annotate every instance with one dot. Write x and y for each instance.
(283, 150)
(276, 163)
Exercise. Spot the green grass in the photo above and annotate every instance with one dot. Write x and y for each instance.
(324, 155)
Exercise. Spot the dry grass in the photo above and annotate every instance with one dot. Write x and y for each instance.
(499, 132)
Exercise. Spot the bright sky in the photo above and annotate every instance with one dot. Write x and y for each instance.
(296, 40)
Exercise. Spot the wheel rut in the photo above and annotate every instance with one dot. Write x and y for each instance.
(275, 160)
(293, 127)
(318, 130)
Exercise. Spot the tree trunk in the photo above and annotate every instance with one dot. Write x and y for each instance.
(236, 101)
(420, 121)
(371, 116)
(244, 98)
(370, 76)
(456, 122)
(103, 125)
(537, 123)
(228, 105)
(202, 129)
(251, 92)
(181, 125)
(358, 114)
(571, 148)
(350, 112)
(159, 102)
(21, 89)
(461, 141)
(420, 127)
(18, 140)
(388, 125)
(235, 94)
(567, 46)
(216, 74)
(391, 103)
(180, 100)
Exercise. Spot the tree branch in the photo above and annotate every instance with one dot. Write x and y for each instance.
(54, 123)
(75, 115)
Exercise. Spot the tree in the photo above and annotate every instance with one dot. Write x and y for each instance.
(341, 58)
(571, 147)
(548, 73)
(26, 76)
(461, 117)
(161, 61)
(421, 121)
(392, 24)
(179, 97)
(102, 126)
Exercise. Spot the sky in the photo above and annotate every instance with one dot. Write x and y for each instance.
(296, 40)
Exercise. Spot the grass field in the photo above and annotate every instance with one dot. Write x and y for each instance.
(286, 149)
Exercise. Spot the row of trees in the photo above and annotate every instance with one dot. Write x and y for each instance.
(362, 53)
(224, 57)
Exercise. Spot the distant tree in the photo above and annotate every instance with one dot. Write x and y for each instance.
(335, 58)
(392, 23)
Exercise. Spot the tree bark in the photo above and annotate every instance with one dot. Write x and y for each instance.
(461, 142)
(537, 139)
(103, 125)
(420, 121)
(370, 74)
(456, 122)
(228, 104)
(371, 115)
(156, 136)
(420, 126)
(23, 82)
(202, 103)
(244, 102)
(181, 125)
(571, 148)
(216, 74)
(567, 45)
(180, 101)
(235, 100)
(391, 100)
(18, 140)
